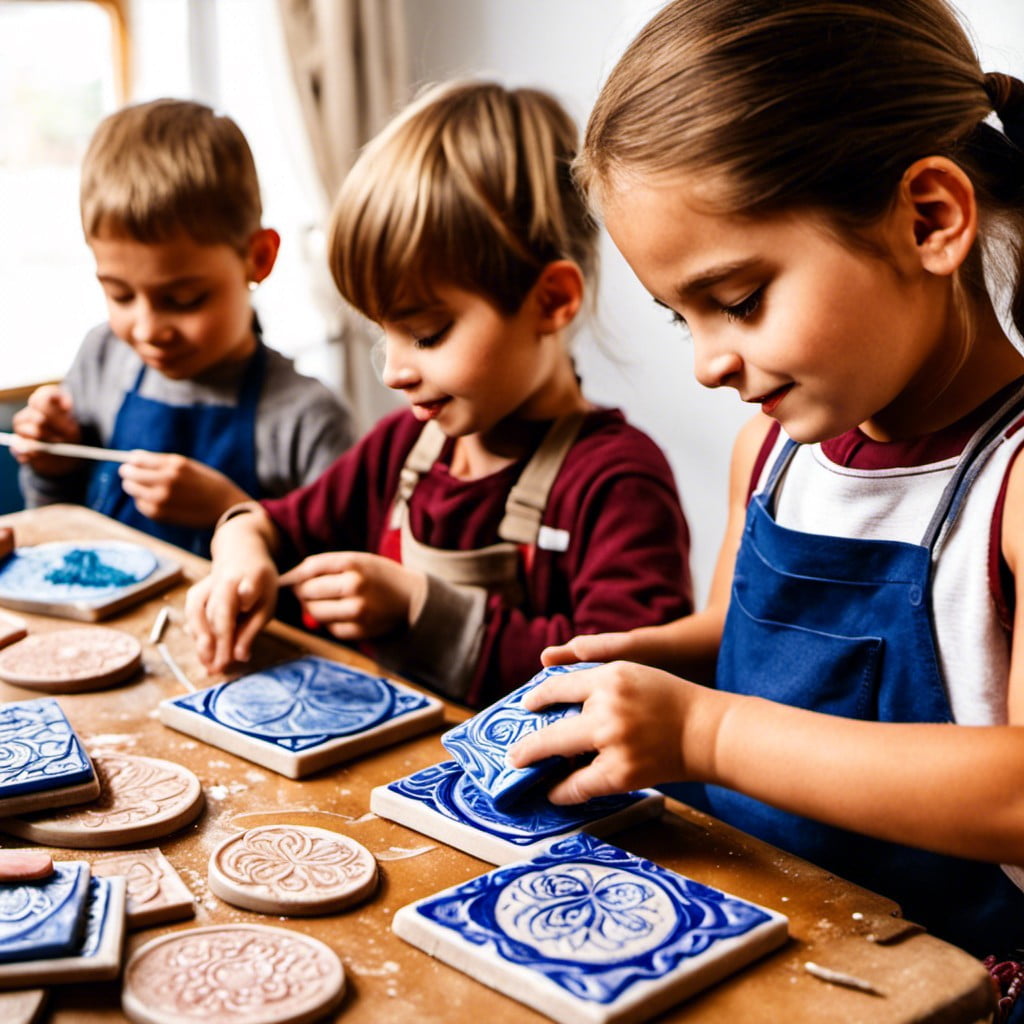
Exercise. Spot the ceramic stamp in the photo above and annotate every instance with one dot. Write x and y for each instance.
(303, 715)
(83, 579)
(42, 761)
(156, 893)
(24, 865)
(481, 743)
(141, 798)
(232, 974)
(44, 918)
(444, 803)
(11, 629)
(22, 1007)
(72, 660)
(586, 932)
(296, 870)
(97, 957)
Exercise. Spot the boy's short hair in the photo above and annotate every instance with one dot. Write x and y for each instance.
(153, 170)
(469, 186)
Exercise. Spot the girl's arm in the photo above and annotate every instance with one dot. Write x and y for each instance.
(953, 789)
(688, 646)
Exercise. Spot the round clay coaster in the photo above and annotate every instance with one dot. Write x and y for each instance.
(71, 660)
(141, 798)
(232, 974)
(292, 869)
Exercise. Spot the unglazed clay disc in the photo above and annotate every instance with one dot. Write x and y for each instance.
(141, 798)
(71, 660)
(292, 869)
(232, 974)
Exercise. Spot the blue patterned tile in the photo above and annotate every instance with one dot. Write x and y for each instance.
(302, 715)
(70, 571)
(442, 802)
(39, 749)
(44, 918)
(481, 743)
(96, 956)
(588, 932)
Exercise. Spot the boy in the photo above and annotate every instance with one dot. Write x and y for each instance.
(170, 207)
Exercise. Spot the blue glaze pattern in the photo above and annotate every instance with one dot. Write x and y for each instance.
(67, 571)
(304, 703)
(445, 789)
(45, 918)
(97, 913)
(38, 749)
(593, 919)
(481, 744)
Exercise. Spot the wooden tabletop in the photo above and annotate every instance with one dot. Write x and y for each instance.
(832, 922)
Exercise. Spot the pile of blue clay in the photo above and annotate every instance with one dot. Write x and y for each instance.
(84, 568)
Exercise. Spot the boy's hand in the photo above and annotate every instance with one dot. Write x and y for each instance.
(592, 647)
(356, 595)
(226, 610)
(48, 416)
(646, 727)
(174, 489)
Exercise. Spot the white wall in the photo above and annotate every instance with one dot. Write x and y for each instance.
(631, 357)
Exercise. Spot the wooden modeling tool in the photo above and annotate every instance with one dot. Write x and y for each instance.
(73, 451)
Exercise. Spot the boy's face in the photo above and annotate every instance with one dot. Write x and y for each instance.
(183, 306)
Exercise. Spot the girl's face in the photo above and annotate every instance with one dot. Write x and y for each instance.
(821, 335)
(464, 363)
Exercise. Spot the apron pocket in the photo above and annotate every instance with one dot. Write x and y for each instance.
(803, 667)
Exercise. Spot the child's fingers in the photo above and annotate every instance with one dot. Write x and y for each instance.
(328, 563)
(331, 587)
(582, 785)
(329, 612)
(565, 738)
(571, 688)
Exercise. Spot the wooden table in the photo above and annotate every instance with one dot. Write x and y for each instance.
(832, 922)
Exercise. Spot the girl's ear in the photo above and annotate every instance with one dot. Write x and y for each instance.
(558, 295)
(262, 254)
(944, 212)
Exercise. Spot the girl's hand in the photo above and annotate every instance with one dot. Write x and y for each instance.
(646, 727)
(592, 647)
(175, 489)
(356, 595)
(48, 416)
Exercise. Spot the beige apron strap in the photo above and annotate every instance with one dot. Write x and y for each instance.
(423, 454)
(529, 497)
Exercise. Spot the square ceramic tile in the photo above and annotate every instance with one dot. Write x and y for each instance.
(443, 803)
(44, 918)
(481, 743)
(303, 715)
(44, 763)
(85, 579)
(156, 893)
(586, 932)
(97, 957)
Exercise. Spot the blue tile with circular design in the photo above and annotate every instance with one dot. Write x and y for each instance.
(586, 932)
(44, 918)
(39, 749)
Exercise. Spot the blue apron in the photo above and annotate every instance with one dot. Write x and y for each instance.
(221, 436)
(844, 626)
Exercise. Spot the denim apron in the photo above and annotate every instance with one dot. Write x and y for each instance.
(221, 436)
(844, 626)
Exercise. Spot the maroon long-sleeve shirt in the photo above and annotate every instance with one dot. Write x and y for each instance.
(626, 563)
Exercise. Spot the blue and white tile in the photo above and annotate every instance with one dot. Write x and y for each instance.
(587, 933)
(443, 803)
(96, 956)
(44, 918)
(83, 579)
(42, 761)
(303, 715)
(481, 743)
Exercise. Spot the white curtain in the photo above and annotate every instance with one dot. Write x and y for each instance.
(350, 67)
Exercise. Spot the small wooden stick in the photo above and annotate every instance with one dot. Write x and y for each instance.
(74, 451)
(158, 626)
(174, 667)
(839, 978)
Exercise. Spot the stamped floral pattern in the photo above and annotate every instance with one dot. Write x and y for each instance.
(294, 860)
(234, 972)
